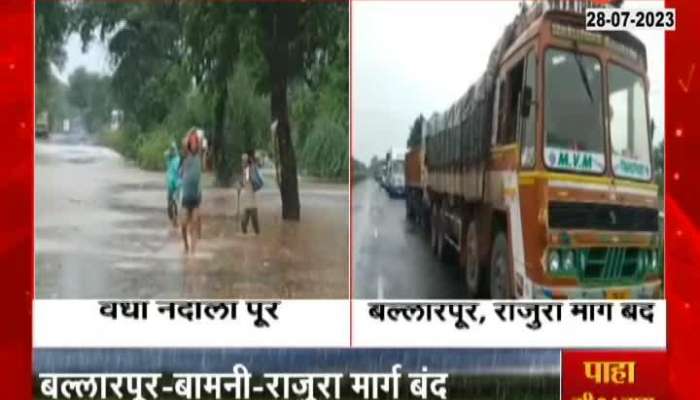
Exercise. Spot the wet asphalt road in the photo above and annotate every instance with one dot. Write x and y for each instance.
(102, 232)
(392, 256)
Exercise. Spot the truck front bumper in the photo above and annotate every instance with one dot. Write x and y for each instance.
(646, 290)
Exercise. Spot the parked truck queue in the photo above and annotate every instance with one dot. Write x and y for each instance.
(538, 180)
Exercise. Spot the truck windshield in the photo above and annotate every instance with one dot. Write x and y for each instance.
(574, 113)
(629, 129)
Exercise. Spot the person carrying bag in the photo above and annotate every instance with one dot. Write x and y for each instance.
(251, 182)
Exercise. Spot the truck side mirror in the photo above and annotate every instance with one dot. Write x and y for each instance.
(526, 102)
(652, 129)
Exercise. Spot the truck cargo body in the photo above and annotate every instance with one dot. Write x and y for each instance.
(414, 167)
(530, 184)
(415, 184)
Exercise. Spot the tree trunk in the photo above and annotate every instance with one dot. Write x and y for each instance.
(219, 147)
(289, 185)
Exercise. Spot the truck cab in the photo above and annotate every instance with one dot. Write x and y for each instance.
(394, 174)
(570, 175)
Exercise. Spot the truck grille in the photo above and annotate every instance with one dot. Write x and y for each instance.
(609, 217)
(611, 263)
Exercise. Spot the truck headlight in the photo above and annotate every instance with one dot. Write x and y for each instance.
(553, 262)
(568, 261)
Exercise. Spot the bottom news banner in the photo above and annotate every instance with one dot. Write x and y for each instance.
(309, 374)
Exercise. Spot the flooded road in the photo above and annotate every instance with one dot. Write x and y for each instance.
(102, 232)
(392, 256)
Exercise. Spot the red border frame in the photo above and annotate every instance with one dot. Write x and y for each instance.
(17, 235)
(682, 211)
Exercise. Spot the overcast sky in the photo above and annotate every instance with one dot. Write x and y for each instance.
(413, 57)
(95, 59)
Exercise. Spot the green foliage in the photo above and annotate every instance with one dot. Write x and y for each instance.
(416, 135)
(146, 149)
(189, 110)
(320, 125)
(152, 148)
(313, 110)
(52, 96)
(52, 26)
(119, 142)
(79, 93)
(212, 33)
(325, 153)
(304, 110)
(144, 41)
(51, 29)
(90, 94)
(249, 126)
(320, 107)
(335, 81)
(180, 64)
(159, 96)
(359, 170)
(314, 35)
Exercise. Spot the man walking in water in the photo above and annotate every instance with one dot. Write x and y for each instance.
(191, 191)
(247, 196)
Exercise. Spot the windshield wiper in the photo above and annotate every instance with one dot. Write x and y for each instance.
(582, 72)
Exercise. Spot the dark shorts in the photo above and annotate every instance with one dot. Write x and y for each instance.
(191, 203)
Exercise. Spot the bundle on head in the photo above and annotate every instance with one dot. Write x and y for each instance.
(192, 142)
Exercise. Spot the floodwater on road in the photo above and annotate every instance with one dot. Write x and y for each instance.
(392, 256)
(102, 232)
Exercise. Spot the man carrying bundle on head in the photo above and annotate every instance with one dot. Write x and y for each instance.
(191, 172)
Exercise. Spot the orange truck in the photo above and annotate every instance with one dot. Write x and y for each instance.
(538, 180)
(415, 179)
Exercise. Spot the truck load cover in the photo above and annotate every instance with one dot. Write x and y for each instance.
(458, 140)
(414, 166)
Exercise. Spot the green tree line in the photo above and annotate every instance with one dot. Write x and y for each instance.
(230, 68)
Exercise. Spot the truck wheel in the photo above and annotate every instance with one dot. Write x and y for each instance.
(500, 276)
(420, 218)
(472, 270)
(434, 229)
(425, 217)
(417, 217)
(443, 250)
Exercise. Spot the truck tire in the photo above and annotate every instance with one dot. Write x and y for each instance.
(472, 269)
(434, 229)
(443, 248)
(424, 217)
(500, 282)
